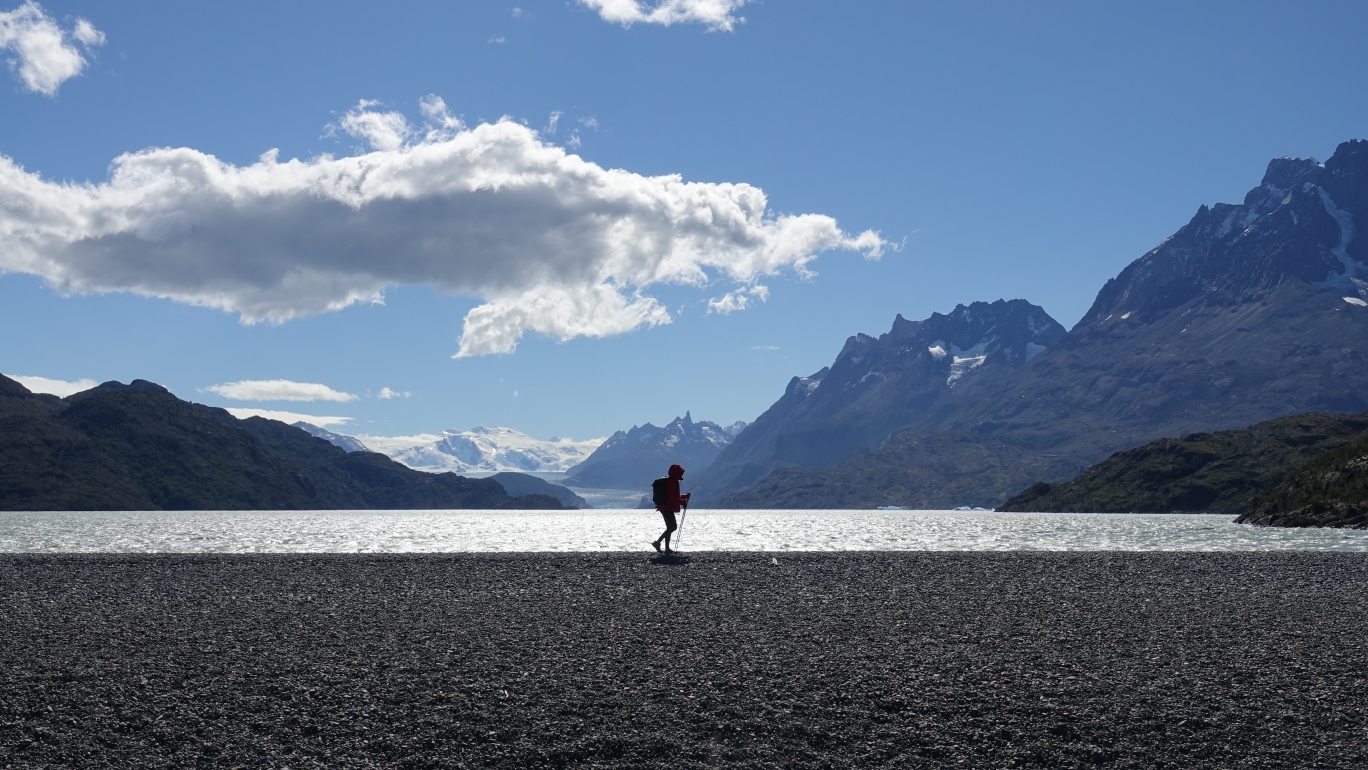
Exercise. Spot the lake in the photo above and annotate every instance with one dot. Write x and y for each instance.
(631, 530)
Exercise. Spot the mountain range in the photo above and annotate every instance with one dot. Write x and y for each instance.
(631, 459)
(482, 450)
(1248, 312)
(878, 386)
(138, 447)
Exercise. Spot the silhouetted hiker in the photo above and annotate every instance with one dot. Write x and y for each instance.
(665, 495)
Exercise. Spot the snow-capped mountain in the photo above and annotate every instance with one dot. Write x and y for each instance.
(340, 440)
(631, 459)
(878, 386)
(483, 450)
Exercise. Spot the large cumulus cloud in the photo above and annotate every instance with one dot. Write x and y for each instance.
(549, 242)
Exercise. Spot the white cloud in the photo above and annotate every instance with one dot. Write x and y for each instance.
(717, 14)
(549, 242)
(383, 130)
(552, 121)
(765, 347)
(59, 388)
(497, 40)
(279, 390)
(289, 418)
(519, 13)
(386, 393)
(45, 55)
(737, 300)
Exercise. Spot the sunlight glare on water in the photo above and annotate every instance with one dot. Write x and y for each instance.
(631, 530)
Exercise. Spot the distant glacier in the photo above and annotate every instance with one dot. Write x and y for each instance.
(482, 450)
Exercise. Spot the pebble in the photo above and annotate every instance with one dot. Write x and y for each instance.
(1023, 659)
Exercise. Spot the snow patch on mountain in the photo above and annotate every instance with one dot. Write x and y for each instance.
(340, 440)
(964, 361)
(483, 450)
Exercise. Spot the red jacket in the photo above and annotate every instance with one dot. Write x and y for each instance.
(676, 500)
(673, 504)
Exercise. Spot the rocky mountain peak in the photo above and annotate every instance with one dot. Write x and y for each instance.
(959, 342)
(878, 385)
(1299, 224)
(628, 460)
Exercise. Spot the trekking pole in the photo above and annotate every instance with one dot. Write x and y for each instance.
(679, 536)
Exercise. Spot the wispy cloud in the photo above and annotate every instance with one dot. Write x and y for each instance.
(718, 15)
(289, 418)
(279, 390)
(551, 243)
(59, 388)
(765, 347)
(386, 393)
(45, 55)
(497, 40)
(382, 130)
(737, 300)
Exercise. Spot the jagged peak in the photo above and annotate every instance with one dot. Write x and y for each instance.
(1286, 172)
(1350, 154)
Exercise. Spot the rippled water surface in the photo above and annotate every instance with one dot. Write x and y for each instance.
(618, 530)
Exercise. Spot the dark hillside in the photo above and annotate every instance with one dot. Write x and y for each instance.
(1203, 472)
(138, 447)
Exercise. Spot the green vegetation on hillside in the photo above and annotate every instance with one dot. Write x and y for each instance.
(138, 447)
(1203, 472)
(1329, 491)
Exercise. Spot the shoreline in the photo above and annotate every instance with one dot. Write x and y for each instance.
(868, 659)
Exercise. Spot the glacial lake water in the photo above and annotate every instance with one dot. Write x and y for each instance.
(630, 530)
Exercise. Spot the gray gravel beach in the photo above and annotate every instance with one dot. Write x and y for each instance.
(609, 660)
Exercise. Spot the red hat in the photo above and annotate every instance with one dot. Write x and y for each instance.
(676, 471)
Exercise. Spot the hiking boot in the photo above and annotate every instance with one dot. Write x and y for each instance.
(656, 545)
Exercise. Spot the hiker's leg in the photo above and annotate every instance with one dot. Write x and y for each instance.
(670, 527)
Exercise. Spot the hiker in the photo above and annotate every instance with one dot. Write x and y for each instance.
(668, 503)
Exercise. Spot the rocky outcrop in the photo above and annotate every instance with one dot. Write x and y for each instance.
(1331, 490)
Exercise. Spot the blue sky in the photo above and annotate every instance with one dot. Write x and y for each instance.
(998, 150)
